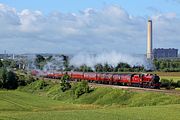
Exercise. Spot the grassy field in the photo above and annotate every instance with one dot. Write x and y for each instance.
(15, 105)
(34, 102)
(171, 74)
(174, 78)
(140, 113)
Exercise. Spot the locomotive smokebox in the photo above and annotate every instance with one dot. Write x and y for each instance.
(149, 40)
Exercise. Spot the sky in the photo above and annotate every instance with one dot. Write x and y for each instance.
(94, 26)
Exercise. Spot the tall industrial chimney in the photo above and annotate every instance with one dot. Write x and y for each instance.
(149, 40)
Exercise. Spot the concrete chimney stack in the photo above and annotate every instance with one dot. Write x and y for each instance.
(149, 40)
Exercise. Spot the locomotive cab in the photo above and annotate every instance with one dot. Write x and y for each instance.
(156, 82)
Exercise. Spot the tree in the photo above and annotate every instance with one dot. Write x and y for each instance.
(40, 61)
(49, 58)
(1, 64)
(12, 82)
(8, 79)
(39, 58)
(6, 63)
(3, 77)
(65, 61)
(122, 67)
(157, 64)
(107, 68)
(65, 85)
(98, 68)
(13, 64)
(167, 65)
(85, 68)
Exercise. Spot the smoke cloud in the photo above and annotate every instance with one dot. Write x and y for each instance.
(112, 58)
(56, 63)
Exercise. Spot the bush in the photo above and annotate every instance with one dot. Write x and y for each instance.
(80, 88)
(23, 80)
(165, 83)
(168, 84)
(178, 83)
(40, 85)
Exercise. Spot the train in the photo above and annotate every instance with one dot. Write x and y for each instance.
(143, 80)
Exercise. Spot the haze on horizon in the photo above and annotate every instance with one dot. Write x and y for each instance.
(87, 26)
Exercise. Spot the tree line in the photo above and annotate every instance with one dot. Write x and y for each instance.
(167, 65)
(164, 65)
(121, 67)
(11, 80)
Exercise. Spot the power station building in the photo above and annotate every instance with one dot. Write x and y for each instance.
(165, 53)
(159, 52)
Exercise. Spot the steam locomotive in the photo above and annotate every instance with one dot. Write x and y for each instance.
(135, 80)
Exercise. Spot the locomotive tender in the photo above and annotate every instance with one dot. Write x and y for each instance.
(136, 80)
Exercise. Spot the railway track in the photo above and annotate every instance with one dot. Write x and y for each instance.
(136, 89)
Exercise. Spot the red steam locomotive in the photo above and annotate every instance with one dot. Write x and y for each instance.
(136, 80)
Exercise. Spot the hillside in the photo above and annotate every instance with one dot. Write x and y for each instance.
(101, 96)
(24, 106)
(47, 102)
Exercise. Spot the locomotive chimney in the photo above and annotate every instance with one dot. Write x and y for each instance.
(149, 39)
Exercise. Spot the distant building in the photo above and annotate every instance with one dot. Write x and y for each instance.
(165, 53)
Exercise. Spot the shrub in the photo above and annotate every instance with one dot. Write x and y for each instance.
(178, 83)
(23, 80)
(168, 84)
(30, 79)
(165, 83)
(80, 88)
(40, 85)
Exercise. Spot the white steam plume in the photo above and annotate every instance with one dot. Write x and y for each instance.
(56, 63)
(112, 58)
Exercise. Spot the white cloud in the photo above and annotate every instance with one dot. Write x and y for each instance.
(107, 29)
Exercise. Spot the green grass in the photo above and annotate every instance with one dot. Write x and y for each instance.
(116, 97)
(177, 89)
(20, 101)
(102, 96)
(174, 78)
(35, 102)
(16, 105)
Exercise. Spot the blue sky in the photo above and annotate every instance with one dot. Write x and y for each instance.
(134, 7)
(70, 26)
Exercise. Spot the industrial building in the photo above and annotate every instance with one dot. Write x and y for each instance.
(158, 53)
(165, 53)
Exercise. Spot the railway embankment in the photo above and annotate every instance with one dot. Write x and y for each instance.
(104, 96)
